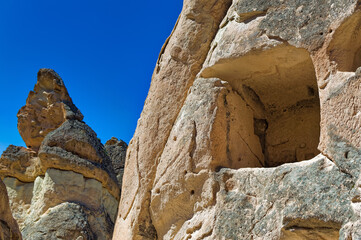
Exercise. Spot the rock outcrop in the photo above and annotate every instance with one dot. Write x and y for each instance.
(116, 150)
(63, 186)
(251, 128)
(47, 107)
(9, 229)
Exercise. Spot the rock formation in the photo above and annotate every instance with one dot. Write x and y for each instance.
(251, 130)
(63, 186)
(116, 150)
(47, 107)
(251, 127)
(9, 229)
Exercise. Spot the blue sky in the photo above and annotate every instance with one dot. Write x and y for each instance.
(105, 51)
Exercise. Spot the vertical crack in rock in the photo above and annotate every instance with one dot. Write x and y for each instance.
(164, 46)
(193, 146)
(258, 94)
(190, 43)
(228, 129)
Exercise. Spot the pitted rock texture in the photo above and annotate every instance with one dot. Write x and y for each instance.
(47, 107)
(117, 150)
(74, 146)
(23, 163)
(275, 84)
(53, 197)
(181, 58)
(63, 186)
(9, 229)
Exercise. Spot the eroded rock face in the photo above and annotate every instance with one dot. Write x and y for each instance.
(74, 146)
(53, 197)
(180, 60)
(276, 82)
(23, 163)
(47, 107)
(63, 186)
(9, 229)
(117, 150)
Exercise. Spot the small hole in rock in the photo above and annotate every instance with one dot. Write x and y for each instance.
(310, 91)
(218, 168)
(192, 192)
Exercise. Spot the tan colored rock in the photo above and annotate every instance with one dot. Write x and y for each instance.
(20, 196)
(20, 162)
(74, 146)
(32, 203)
(9, 229)
(47, 107)
(64, 185)
(180, 60)
(280, 84)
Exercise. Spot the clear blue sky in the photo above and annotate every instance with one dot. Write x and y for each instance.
(105, 51)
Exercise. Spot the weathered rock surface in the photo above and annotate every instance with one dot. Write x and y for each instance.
(117, 150)
(49, 198)
(274, 82)
(20, 162)
(63, 186)
(9, 229)
(47, 107)
(180, 60)
(287, 202)
(74, 146)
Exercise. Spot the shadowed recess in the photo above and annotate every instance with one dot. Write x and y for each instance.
(279, 86)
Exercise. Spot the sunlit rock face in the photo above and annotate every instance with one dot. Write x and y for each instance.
(251, 128)
(64, 185)
(47, 107)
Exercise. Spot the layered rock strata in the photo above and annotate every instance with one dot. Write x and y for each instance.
(239, 87)
(63, 186)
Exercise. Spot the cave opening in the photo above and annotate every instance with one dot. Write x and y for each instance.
(279, 88)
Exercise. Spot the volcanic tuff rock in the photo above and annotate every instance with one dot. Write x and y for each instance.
(9, 229)
(47, 107)
(116, 150)
(241, 86)
(63, 185)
